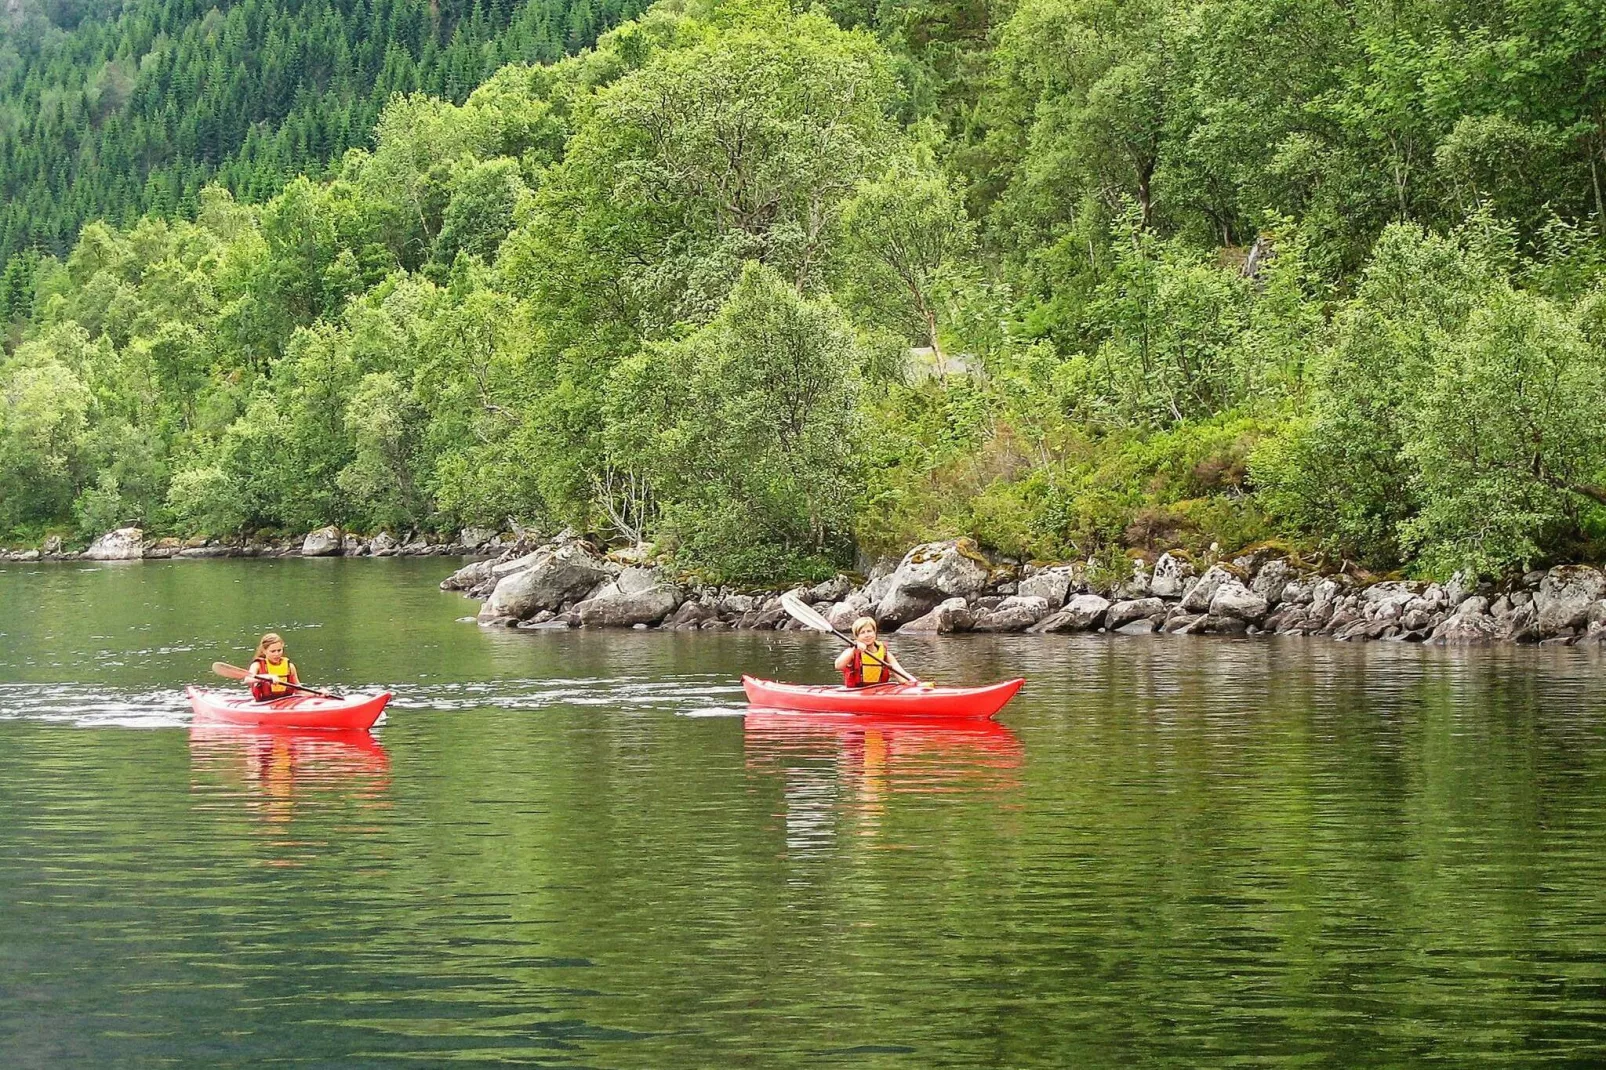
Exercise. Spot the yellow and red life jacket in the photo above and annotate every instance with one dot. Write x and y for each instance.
(867, 668)
(282, 671)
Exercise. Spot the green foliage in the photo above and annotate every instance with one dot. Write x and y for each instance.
(905, 236)
(1074, 278)
(744, 432)
(207, 502)
(42, 422)
(142, 106)
(1506, 443)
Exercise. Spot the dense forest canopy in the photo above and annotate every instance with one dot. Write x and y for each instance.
(765, 284)
(110, 109)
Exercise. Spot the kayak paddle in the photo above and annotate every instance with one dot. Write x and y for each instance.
(806, 615)
(233, 672)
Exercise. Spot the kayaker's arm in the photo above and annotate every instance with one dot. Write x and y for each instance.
(892, 663)
(844, 659)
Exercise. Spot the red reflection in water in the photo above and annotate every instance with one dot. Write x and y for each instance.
(276, 767)
(876, 758)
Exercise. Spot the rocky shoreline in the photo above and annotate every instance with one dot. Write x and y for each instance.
(951, 587)
(130, 544)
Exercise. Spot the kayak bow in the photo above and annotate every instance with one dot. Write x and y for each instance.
(354, 712)
(883, 700)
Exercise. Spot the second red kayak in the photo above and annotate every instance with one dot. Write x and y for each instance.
(883, 700)
(353, 712)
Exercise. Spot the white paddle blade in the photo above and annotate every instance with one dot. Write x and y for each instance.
(804, 612)
(223, 668)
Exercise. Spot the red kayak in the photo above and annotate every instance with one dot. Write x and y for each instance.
(883, 700)
(352, 713)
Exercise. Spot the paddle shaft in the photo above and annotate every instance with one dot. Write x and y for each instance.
(234, 672)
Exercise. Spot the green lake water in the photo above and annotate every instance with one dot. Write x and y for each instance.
(572, 848)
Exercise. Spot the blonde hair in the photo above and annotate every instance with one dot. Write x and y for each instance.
(267, 641)
(864, 622)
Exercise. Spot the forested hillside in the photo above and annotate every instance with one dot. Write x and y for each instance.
(1174, 273)
(113, 108)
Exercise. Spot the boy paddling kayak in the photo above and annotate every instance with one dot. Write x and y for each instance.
(868, 661)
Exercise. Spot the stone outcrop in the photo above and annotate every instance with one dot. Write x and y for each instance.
(1015, 613)
(1053, 585)
(1199, 595)
(1564, 598)
(929, 574)
(1082, 613)
(124, 544)
(550, 580)
(952, 615)
(636, 596)
(325, 542)
(956, 589)
(1171, 577)
(1125, 612)
(1233, 599)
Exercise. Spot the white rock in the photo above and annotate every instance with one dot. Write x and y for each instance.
(472, 539)
(952, 615)
(1565, 595)
(325, 542)
(1014, 614)
(1082, 613)
(929, 574)
(124, 544)
(1272, 580)
(1170, 577)
(1050, 584)
(1233, 599)
(1123, 613)
(1199, 597)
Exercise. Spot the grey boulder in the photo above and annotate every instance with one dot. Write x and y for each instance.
(1014, 614)
(1170, 577)
(1232, 599)
(929, 574)
(1133, 609)
(1052, 584)
(552, 578)
(637, 596)
(951, 615)
(1565, 595)
(124, 544)
(469, 576)
(1082, 613)
(325, 542)
(1201, 594)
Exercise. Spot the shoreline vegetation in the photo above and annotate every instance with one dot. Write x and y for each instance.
(778, 290)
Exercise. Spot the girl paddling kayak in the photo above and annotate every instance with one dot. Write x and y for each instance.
(868, 661)
(270, 671)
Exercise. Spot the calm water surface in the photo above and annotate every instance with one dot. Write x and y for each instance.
(573, 849)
